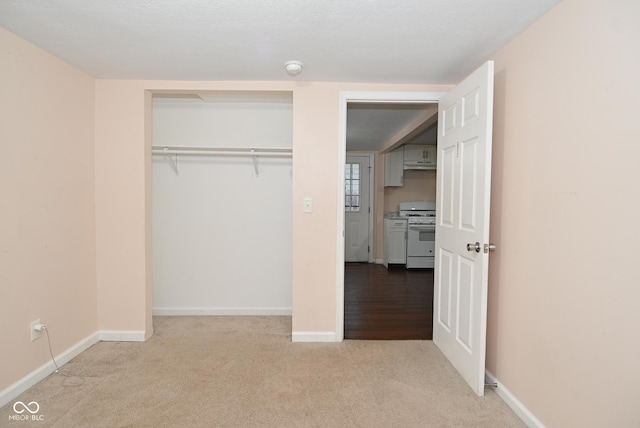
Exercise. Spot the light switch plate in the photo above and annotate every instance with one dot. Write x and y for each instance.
(307, 205)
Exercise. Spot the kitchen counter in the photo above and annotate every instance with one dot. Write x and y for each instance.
(393, 215)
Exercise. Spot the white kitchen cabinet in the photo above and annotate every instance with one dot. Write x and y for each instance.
(394, 168)
(395, 241)
(420, 156)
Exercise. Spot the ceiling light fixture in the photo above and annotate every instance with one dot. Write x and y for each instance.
(293, 67)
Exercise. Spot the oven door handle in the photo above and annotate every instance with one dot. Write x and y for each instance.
(423, 228)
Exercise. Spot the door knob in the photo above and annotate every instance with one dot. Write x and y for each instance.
(474, 247)
(489, 247)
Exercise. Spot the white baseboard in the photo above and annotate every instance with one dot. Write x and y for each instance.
(121, 336)
(379, 261)
(313, 336)
(46, 369)
(221, 311)
(513, 403)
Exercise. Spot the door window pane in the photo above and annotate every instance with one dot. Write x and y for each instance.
(352, 187)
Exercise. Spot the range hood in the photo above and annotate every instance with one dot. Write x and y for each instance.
(420, 157)
(418, 166)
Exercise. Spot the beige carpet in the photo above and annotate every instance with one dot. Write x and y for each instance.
(245, 372)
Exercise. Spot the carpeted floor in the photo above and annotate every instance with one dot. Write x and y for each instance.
(245, 372)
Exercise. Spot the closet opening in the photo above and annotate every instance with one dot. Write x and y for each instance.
(221, 203)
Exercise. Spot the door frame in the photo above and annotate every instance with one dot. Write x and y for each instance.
(360, 97)
(372, 175)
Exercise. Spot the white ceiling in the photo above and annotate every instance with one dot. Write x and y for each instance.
(408, 41)
(372, 126)
(383, 41)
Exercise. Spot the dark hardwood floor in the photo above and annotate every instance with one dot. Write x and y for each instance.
(387, 304)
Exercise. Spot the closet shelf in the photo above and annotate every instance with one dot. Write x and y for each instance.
(229, 151)
(220, 151)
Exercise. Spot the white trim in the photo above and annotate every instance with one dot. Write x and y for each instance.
(372, 205)
(391, 97)
(379, 261)
(13, 391)
(221, 311)
(359, 97)
(342, 157)
(514, 404)
(314, 336)
(121, 336)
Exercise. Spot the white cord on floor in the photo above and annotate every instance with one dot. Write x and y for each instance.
(67, 377)
(50, 351)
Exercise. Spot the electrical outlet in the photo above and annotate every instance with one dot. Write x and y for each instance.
(35, 334)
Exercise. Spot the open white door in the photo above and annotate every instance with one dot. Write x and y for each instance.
(465, 120)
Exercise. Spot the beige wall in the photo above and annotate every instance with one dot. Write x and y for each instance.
(122, 169)
(47, 227)
(378, 208)
(563, 294)
(417, 186)
(122, 172)
(564, 291)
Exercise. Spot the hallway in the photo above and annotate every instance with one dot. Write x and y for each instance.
(387, 304)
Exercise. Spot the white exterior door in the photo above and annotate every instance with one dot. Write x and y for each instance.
(357, 206)
(464, 183)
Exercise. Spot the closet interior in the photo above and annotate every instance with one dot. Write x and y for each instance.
(222, 203)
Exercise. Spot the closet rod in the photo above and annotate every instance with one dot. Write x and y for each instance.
(228, 151)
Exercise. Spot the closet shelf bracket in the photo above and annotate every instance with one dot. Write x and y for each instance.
(173, 161)
(255, 162)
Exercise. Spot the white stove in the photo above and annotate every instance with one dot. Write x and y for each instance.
(421, 232)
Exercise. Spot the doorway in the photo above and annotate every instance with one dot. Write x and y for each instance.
(345, 99)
